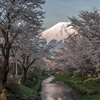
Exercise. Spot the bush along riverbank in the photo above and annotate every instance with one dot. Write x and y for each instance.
(87, 86)
(25, 91)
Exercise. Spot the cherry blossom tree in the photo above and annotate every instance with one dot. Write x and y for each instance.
(78, 53)
(88, 26)
(19, 19)
(31, 52)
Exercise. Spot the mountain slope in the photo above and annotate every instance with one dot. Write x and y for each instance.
(58, 32)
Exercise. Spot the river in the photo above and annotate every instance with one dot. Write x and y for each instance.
(56, 90)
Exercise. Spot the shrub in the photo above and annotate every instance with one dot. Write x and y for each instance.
(31, 77)
(12, 84)
(29, 83)
(32, 74)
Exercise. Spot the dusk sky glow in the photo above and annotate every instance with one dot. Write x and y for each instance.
(58, 10)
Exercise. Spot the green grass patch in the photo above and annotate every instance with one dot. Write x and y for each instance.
(91, 97)
(26, 93)
(88, 86)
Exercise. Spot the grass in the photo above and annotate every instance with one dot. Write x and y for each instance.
(91, 97)
(25, 93)
(88, 86)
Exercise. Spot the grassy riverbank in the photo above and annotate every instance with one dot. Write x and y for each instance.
(22, 92)
(87, 86)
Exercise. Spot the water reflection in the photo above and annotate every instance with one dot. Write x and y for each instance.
(56, 91)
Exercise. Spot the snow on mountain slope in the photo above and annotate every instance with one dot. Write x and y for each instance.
(58, 32)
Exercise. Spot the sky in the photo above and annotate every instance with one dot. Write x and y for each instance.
(59, 10)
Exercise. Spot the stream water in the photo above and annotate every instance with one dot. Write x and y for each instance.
(56, 90)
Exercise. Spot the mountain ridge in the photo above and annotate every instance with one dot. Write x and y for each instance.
(58, 32)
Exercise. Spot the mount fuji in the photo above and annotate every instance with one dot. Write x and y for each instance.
(58, 33)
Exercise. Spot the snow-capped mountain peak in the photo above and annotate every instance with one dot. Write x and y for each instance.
(58, 32)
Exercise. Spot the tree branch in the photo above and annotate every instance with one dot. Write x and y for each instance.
(31, 63)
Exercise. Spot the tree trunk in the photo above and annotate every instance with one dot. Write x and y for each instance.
(85, 73)
(13, 69)
(24, 74)
(96, 73)
(4, 73)
(5, 67)
(81, 75)
(92, 74)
